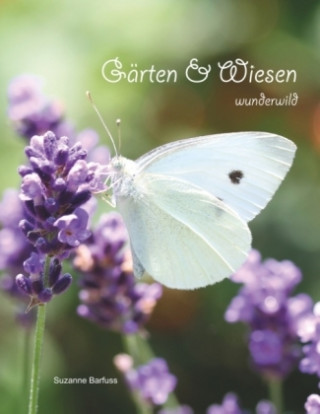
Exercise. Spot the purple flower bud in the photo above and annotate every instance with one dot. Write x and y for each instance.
(46, 177)
(54, 271)
(43, 169)
(36, 146)
(62, 155)
(75, 153)
(37, 285)
(25, 226)
(65, 197)
(62, 284)
(24, 170)
(59, 184)
(24, 284)
(80, 198)
(31, 187)
(32, 236)
(51, 205)
(64, 140)
(31, 153)
(34, 264)
(41, 211)
(49, 144)
(77, 175)
(29, 205)
(48, 224)
(36, 142)
(45, 295)
(42, 245)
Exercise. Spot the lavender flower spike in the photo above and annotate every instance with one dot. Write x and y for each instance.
(53, 194)
(35, 286)
(229, 405)
(14, 248)
(312, 404)
(54, 191)
(31, 112)
(109, 295)
(309, 332)
(152, 381)
(273, 315)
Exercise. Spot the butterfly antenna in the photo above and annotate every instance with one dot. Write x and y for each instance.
(118, 122)
(102, 121)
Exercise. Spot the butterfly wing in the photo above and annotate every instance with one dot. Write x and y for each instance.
(242, 169)
(181, 235)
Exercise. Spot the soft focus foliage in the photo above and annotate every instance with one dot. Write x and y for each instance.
(66, 44)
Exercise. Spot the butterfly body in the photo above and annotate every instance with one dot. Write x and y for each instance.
(123, 178)
(186, 204)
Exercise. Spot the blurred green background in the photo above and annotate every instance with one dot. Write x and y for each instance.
(67, 43)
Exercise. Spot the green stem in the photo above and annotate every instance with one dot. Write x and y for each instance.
(141, 406)
(139, 348)
(135, 346)
(37, 350)
(25, 368)
(275, 393)
(35, 375)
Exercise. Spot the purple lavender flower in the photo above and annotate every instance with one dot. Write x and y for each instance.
(264, 303)
(36, 286)
(109, 295)
(309, 332)
(14, 250)
(31, 112)
(55, 187)
(73, 227)
(230, 405)
(14, 247)
(312, 404)
(152, 381)
(266, 407)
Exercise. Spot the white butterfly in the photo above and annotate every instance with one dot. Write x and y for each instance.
(186, 204)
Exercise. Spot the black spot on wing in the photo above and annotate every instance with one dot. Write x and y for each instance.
(236, 176)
